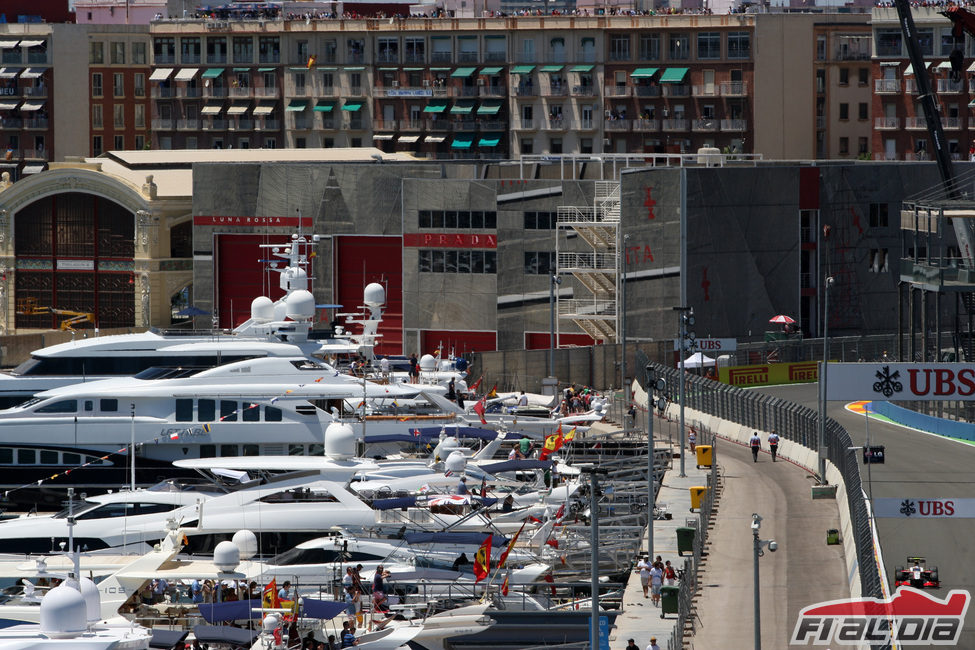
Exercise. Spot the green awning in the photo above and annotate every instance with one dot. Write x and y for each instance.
(242, 69)
(463, 107)
(581, 68)
(412, 69)
(296, 68)
(436, 106)
(212, 73)
(358, 68)
(551, 68)
(673, 75)
(490, 71)
(327, 69)
(643, 73)
(297, 105)
(324, 107)
(352, 107)
(266, 69)
(489, 140)
(522, 69)
(489, 108)
(388, 69)
(463, 73)
(439, 69)
(462, 142)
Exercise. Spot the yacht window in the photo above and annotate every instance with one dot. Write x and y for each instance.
(316, 450)
(314, 556)
(184, 410)
(303, 495)
(64, 406)
(228, 411)
(272, 414)
(296, 450)
(206, 410)
(89, 405)
(106, 511)
(108, 405)
(252, 450)
(26, 457)
(306, 409)
(29, 403)
(49, 457)
(6, 456)
(228, 450)
(251, 413)
(69, 458)
(208, 451)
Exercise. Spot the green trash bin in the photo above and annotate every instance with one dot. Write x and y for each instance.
(685, 540)
(832, 536)
(668, 600)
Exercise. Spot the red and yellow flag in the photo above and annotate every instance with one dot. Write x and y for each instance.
(504, 586)
(511, 545)
(552, 444)
(482, 560)
(269, 598)
(570, 436)
(311, 61)
(494, 391)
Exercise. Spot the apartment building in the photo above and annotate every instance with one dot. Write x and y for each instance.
(118, 72)
(899, 129)
(26, 98)
(843, 88)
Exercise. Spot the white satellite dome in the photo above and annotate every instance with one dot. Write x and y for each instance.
(456, 462)
(280, 310)
(246, 541)
(428, 363)
(340, 441)
(226, 556)
(300, 305)
(271, 621)
(63, 611)
(374, 295)
(293, 278)
(262, 308)
(93, 600)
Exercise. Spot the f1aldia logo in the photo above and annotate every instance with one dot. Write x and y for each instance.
(909, 617)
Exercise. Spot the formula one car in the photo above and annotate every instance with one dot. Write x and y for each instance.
(917, 575)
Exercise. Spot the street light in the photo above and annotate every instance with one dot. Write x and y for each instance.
(554, 281)
(686, 320)
(653, 384)
(622, 276)
(757, 547)
(594, 473)
(822, 381)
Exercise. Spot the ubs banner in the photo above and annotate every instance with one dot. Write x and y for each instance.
(900, 381)
(769, 375)
(913, 508)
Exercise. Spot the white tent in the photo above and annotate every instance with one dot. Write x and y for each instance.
(699, 360)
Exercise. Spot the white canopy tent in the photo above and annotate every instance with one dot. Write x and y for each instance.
(699, 360)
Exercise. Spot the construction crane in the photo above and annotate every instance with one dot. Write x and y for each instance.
(29, 307)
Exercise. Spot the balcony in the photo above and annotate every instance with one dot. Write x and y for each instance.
(586, 124)
(35, 91)
(910, 86)
(415, 57)
(916, 123)
(584, 91)
(522, 124)
(556, 124)
(585, 56)
(492, 91)
(215, 91)
(192, 124)
(355, 57)
(949, 86)
(705, 125)
(36, 154)
(356, 91)
(161, 59)
(733, 88)
(385, 125)
(493, 125)
(675, 125)
(442, 57)
(355, 124)
(188, 92)
(265, 92)
(327, 91)
(161, 92)
(410, 125)
(883, 155)
(734, 125)
(526, 91)
(951, 123)
(617, 126)
(887, 123)
(301, 91)
(465, 91)
(300, 123)
(214, 124)
(646, 125)
(239, 92)
(468, 57)
(617, 91)
(160, 124)
(11, 123)
(556, 90)
(887, 86)
(329, 123)
(647, 91)
(387, 57)
(705, 90)
(40, 123)
(820, 122)
(268, 125)
(241, 124)
(677, 90)
(465, 125)
(495, 57)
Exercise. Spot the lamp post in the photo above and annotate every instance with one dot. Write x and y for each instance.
(757, 549)
(822, 381)
(653, 384)
(686, 319)
(622, 276)
(554, 280)
(594, 473)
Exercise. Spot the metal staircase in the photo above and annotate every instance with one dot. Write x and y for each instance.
(596, 270)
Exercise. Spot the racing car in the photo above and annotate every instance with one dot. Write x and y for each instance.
(916, 574)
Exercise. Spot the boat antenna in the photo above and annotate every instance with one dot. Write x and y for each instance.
(75, 557)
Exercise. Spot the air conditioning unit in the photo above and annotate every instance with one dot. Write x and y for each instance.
(395, 84)
(426, 83)
(480, 81)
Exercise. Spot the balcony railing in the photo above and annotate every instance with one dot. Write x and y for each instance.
(465, 125)
(883, 155)
(161, 92)
(526, 91)
(465, 91)
(734, 125)
(192, 124)
(910, 86)
(387, 57)
(239, 92)
(410, 125)
(646, 125)
(495, 57)
(384, 125)
(269, 125)
(264, 91)
(492, 91)
(11, 123)
(915, 123)
(493, 125)
(301, 123)
(415, 57)
(37, 154)
(164, 58)
(556, 124)
(705, 90)
(184, 91)
(887, 123)
(329, 123)
(675, 125)
(887, 85)
(557, 90)
(215, 91)
(214, 124)
(468, 57)
(35, 123)
(35, 91)
(617, 91)
(439, 125)
(241, 124)
(356, 91)
(355, 57)
(705, 124)
(647, 91)
(616, 125)
(586, 124)
(949, 86)
(733, 88)
(302, 91)
(583, 91)
(677, 90)
(160, 124)
(951, 122)
(522, 124)
(442, 57)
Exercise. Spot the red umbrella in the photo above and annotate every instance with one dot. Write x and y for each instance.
(782, 318)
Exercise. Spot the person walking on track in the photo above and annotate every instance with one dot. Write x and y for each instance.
(756, 445)
(773, 444)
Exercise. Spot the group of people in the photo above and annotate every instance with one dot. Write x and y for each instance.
(353, 588)
(755, 442)
(652, 577)
(631, 645)
(576, 400)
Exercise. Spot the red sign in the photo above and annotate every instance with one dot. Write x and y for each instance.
(451, 240)
(285, 222)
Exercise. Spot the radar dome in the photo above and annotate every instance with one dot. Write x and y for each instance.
(246, 542)
(456, 462)
(63, 611)
(300, 305)
(271, 621)
(374, 295)
(262, 308)
(93, 600)
(428, 363)
(339, 441)
(226, 556)
(280, 310)
(293, 278)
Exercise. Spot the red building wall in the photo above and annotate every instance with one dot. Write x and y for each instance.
(361, 260)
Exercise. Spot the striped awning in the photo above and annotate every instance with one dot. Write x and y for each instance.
(186, 74)
(211, 109)
(160, 74)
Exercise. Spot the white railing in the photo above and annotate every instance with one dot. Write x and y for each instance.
(887, 85)
(887, 123)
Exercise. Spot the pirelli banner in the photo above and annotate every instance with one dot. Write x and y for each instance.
(900, 381)
(770, 375)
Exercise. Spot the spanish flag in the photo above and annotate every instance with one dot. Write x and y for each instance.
(269, 598)
(570, 436)
(504, 585)
(482, 560)
(311, 61)
(511, 545)
(494, 391)
(552, 444)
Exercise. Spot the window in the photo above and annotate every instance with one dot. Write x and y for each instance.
(878, 215)
(140, 142)
(96, 84)
(844, 146)
(863, 111)
(327, 82)
(299, 82)
(739, 45)
(821, 47)
(415, 50)
(354, 50)
(649, 47)
(184, 410)
(189, 50)
(844, 111)
(206, 410)
(619, 47)
(878, 260)
(118, 84)
(139, 53)
(272, 414)
(889, 42)
(63, 406)
(228, 411)
(96, 145)
(844, 76)
(164, 50)
(457, 219)
(925, 38)
(97, 118)
(451, 261)
(555, 145)
(26, 457)
(709, 45)
(243, 49)
(862, 145)
(388, 50)
(527, 145)
(863, 77)
(680, 49)
(539, 262)
(217, 49)
(302, 51)
(96, 53)
(118, 115)
(118, 53)
(269, 49)
(139, 84)
(540, 220)
(251, 412)
(108, 405)
(140, 116)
